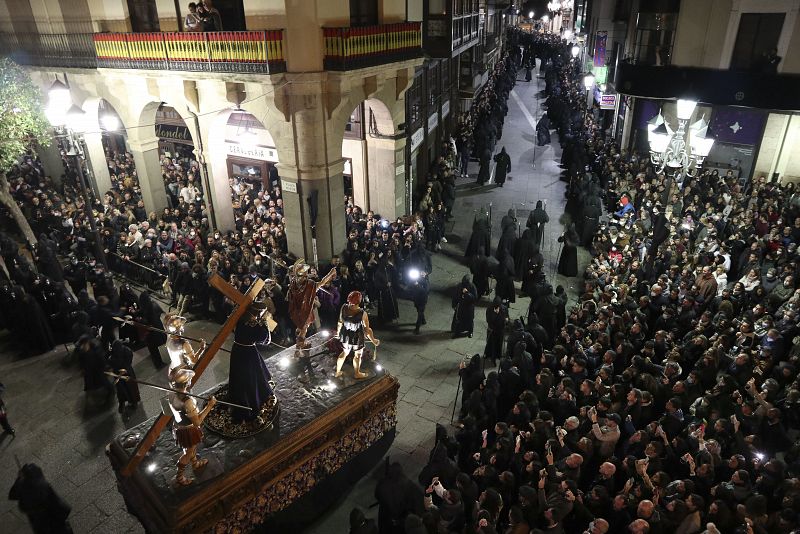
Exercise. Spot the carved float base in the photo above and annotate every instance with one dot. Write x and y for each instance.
(323, 440)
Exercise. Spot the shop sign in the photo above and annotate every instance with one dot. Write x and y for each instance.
(445, 108)
(253, 152)
(173, 133)
(608, 101)
(417, 138)
(288, 187)
(433, 120)
(399, 170)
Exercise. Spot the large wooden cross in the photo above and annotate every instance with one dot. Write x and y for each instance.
(242, 302)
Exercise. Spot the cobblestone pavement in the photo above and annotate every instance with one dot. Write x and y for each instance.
(65, 432)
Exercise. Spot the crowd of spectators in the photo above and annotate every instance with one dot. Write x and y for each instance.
(665, 399)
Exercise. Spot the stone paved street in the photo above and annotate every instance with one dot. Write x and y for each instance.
(65, 432)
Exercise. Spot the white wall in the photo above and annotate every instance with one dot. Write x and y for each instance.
(789, 160)
(771, 143)
(356, 150)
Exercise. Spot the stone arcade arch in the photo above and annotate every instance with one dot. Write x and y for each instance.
(376, 168)
(145, 146)
(239, 148)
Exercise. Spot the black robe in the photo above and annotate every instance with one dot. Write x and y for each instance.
(503, 167)
(480, 240)
(464, 306)
(46, 511)
(568, 262)
(121, 362)
(524, 248)
(479, 267)
(35, 328)
(536, 221)
(505, 279)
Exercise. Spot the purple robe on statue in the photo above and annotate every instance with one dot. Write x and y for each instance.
(248, 384)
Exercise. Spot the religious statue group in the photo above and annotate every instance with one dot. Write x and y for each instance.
(250, 387)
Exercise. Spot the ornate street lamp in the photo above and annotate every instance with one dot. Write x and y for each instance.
(668, 150)
(588, 84)
(70, 122)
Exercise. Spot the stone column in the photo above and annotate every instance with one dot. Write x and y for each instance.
(219, 189)
(386, 187)
(310, 160)
(296, 188)
(148, 169)
(51, 161)
(96, 158)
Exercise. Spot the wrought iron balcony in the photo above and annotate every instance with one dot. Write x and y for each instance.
(367, 46)
(49, 50)
(249, 51)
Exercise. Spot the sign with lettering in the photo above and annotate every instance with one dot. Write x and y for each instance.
(445, 108)
(608, 101)
(399, 170)
(433, 120)
(288, 187)
(263, 153)
(173, 133)
(417, 138)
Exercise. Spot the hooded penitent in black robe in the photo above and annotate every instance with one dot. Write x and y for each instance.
(35, 332)
(464, 306)
(568, 262)
(533, 272)
(480, 238)
(508, 236)
(121, 362)
(503, 167)
(536, 221)
(46, 511)
(523, 249)
(479, 267)
(505, 279)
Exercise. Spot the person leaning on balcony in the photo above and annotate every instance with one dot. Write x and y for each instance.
(192, 23)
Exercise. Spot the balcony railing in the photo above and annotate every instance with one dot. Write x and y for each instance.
(355, 48)
(251, 51)
(49, 50)
(465, 29)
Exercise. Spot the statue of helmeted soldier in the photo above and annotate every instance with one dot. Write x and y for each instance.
(352, 331)
(181, 353)
(187, 420)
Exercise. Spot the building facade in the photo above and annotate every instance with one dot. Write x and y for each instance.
(285, 85)
(739, 59)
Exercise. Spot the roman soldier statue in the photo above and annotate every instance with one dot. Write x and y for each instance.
(186, 423)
